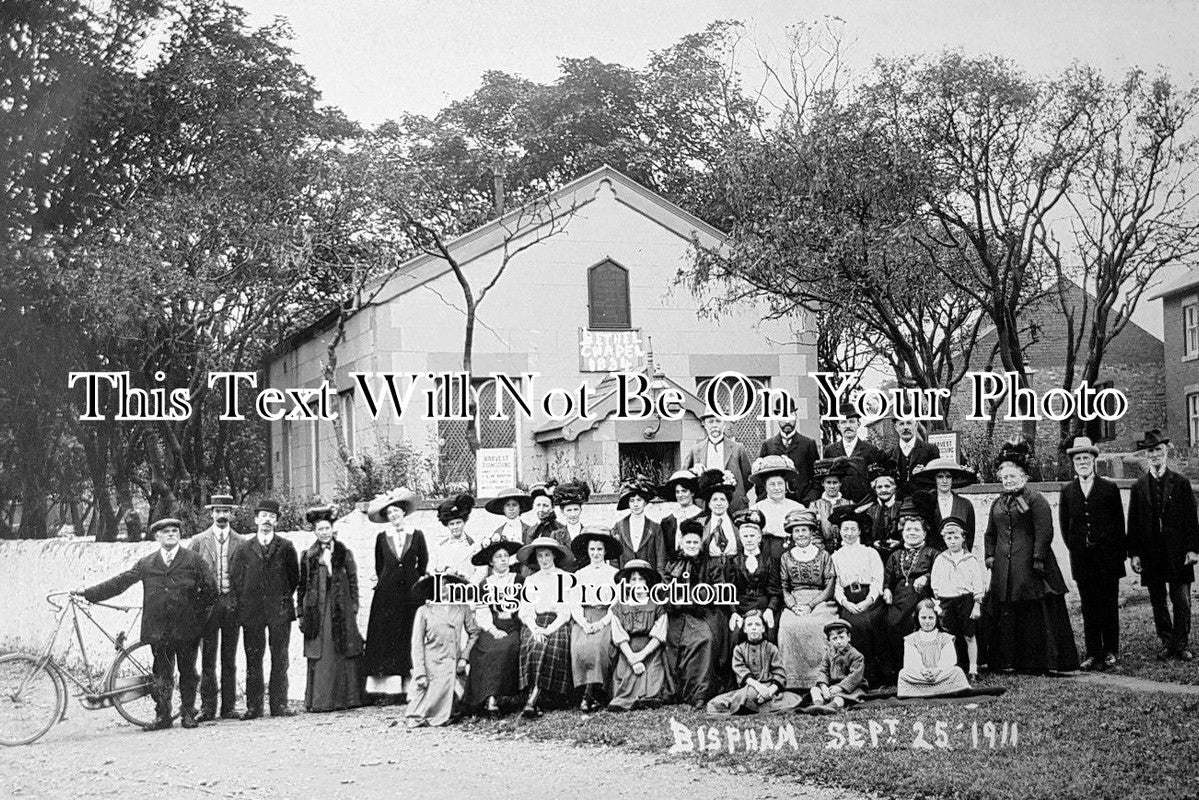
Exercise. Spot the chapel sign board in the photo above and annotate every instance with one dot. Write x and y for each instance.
(611, 351)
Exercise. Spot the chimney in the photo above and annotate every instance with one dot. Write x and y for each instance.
(497, 188)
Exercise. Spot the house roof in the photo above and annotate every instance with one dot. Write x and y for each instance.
(1188, 280)
(547, 210)
(605, 405)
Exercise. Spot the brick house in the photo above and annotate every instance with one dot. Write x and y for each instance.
(1133, 363)
(599, 294)
(1180, 323)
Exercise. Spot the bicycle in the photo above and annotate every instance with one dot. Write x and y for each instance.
(34, 691)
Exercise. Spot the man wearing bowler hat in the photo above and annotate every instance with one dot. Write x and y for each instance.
(1163, 542)
(216, 545)
(263, 576)
(178, 591)
(1091, 518)
(718, 451)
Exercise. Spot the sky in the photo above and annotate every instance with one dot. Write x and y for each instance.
(377, 58)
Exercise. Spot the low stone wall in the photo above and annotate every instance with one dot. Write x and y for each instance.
(37, 567)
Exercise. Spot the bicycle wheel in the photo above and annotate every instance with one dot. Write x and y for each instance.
(131, 678)
(31, 698)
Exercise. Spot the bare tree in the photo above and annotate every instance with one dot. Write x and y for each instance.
(1132, 214)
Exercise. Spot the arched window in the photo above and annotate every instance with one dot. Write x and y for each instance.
(608, 297)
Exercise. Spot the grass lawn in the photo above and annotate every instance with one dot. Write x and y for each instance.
(1139, 643)
(1075, 740)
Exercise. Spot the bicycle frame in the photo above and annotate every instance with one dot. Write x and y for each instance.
(92, 695)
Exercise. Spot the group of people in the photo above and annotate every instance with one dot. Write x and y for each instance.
(851, 572)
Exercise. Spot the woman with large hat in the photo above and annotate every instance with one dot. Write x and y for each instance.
(495, 659)
(828, 475)
(696, 631)
(639, 535)
(639, 630)
(569, 498)
(401, 558)
(679, 489)
(859, 589)
(940, 477)
(807, 579)
(453, 551)
(510, 504)
(591, 652)
(772, 478)
(328, 603)
(1027, 586)
(443, 634)
(716, 489)
(545, 612)
(547, 524)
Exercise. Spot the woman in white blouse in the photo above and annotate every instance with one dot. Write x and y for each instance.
(591, 652)
(859, 589)
(545, 612)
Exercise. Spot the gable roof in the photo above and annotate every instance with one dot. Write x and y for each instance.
(546, 210)
(1188, 280)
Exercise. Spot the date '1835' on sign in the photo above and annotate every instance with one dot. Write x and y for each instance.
(937, 735)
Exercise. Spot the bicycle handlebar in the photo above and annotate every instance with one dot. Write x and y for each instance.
(79, 599)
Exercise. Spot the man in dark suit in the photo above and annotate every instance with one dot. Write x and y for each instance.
(909, 454)
(803, 454)
(719, 451)
(639, 536)
(1163, 543)
(855, 483)
(216, 545)
(1091, 518)
(178, 591)
(263, 577)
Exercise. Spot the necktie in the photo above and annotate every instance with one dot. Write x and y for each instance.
(221, 565)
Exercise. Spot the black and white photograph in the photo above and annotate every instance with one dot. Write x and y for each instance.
(532, 399)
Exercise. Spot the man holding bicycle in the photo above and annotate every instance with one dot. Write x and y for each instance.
(178, 592)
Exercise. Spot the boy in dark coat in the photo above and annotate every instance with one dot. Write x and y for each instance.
(263, 577)
(1163, 542)
(1091, 518)
(178, 592)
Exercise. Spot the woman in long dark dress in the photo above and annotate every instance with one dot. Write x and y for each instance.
(495, 659)
(1034, 631)
(328, 602)
(401, 558)
(696, 632)
(907, 579)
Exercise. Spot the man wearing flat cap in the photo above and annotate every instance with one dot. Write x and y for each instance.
(178, 591)
(1091, 518)
(264, 576)
(216, 545)
(1163, 542)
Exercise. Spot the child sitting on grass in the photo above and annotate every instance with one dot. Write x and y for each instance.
(842, 672)
(959, 584)
(759, 670)
(929, 659)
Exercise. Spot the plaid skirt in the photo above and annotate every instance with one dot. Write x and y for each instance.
(546, 665)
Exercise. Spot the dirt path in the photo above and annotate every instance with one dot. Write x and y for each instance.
(363, 754)
(1136, 684)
